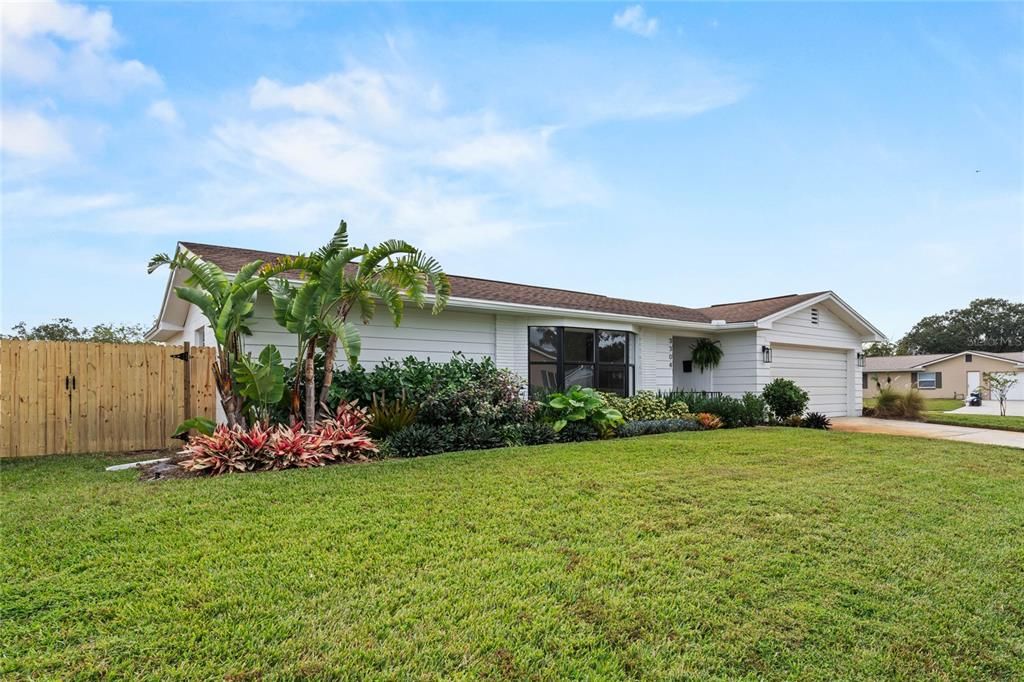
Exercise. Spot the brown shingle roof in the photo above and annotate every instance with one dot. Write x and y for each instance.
(230, 259)
(904, 363)
(746, 311)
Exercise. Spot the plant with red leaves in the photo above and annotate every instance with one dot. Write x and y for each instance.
(292, 447)
(342, 438)
(218, 453)
(345, 436)
(708, 421)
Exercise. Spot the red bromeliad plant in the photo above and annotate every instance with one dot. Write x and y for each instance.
(292, 447)
(342, 438)
(218, 453)
(345, 435)
(708, 421)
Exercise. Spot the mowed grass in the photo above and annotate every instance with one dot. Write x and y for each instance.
(754, 553)
(980, 421)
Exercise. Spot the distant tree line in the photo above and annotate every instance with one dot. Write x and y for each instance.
(63, 329)
(992, 324)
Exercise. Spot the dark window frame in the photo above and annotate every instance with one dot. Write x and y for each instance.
(627, 366)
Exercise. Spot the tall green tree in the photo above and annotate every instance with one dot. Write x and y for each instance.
(880, 349)
(63, 329)
(992, 324)
(227, 303)
(340, 280)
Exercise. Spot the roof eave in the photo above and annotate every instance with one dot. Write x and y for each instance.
(873, 333)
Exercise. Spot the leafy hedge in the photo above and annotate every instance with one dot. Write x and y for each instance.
(750, 410)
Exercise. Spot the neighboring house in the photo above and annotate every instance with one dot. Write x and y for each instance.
(555, 337)
(942, 375)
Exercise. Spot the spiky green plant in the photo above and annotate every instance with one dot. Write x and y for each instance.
(337, 279)
(227, 303)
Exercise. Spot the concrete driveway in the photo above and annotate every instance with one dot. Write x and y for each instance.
(892, 427)
(1014, 408)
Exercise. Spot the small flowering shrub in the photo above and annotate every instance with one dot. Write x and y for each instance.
(342, 438)
(708, 421)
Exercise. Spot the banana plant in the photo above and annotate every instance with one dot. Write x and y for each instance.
(227, 303)
(260, 381)
(338, 279)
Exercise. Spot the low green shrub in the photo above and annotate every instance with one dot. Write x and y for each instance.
(577, 432)
(785, 398)
(652, 426)
(646, 406)
(417, 440)
(750, 410)
(755, 410)
(537, 433)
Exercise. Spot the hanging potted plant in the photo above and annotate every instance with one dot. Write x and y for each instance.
(706, 354)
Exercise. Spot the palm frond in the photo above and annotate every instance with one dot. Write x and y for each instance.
(383, 251)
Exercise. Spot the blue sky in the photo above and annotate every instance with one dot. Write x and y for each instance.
(690, 154)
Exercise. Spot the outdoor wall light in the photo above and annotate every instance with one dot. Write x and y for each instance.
(860, 359)
(766, 354)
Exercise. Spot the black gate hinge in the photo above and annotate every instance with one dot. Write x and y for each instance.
(180, 356)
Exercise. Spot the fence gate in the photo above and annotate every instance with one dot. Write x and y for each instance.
(68, 397)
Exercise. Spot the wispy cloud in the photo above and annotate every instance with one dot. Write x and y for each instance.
(28, 135)
(70, 47)
(635, 20)
(163, 110)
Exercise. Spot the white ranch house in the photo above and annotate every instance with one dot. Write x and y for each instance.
(554, 337)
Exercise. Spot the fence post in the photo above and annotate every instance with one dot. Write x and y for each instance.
(188, 381)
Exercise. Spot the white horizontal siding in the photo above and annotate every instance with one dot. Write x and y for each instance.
(830, 331)
(654, 372)
(736, 374)
(421, 335)
(511, 342)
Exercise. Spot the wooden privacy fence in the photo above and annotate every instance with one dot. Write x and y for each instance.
(70, 397)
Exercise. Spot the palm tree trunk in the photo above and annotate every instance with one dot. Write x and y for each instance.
(325, 389)
(310, 384)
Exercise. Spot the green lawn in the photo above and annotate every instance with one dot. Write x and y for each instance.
(981, 421)
(755, 553)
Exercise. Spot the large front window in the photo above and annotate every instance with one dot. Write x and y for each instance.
(568, 356)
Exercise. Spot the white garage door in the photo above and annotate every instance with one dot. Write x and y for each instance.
(819, 371)
(1017, 390)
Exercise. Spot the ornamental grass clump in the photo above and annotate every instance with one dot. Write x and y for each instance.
(894, 404)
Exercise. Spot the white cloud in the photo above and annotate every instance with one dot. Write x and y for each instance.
(28, 135)
(163, 110)
(357, 93)
(67, 45)
(498, 149)
(635, 20)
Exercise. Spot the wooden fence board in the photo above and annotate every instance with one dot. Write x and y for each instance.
(60, 397)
